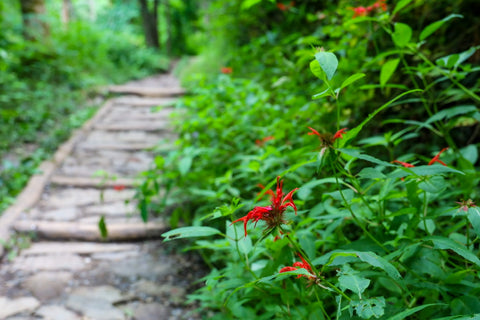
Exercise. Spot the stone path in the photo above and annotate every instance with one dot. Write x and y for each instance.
(69, 272)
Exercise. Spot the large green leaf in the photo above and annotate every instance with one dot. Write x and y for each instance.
(473, 215)
(328, 62)
(448, 244)
(354, 283)
(189, 232)
(402, 34)
(368, 308)
(387, 70)
(351, 79)
(357, 154)
(431, 28)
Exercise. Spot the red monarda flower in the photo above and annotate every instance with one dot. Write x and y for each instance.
(226, 70)
(437, 158)
(364, 11)
(304, 264)
(405, 164)
(273, 215)
(285, 7)
(359, 12)
(466, 204)
(261, 142)
(118, 187)
(327, 139)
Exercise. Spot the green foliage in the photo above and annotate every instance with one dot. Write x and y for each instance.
(46, 86)
(384, 224)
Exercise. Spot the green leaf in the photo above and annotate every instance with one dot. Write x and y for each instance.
(184, 165)
(351, 79)
(357, 154)
(246, 4)
(448, 244)
(473, 215)
(387, 70)
(355, 131)
(431, 28)
(189, 232)
(368, 308)
(451, 112)
(353, 283)
(400, 5)
(434, 184)
(316, 69)
(402, 315)
(322, 94)
(371, 173)
(431, 170)
(402, 34)
(102, 226)
(379, 262)
(328, 62)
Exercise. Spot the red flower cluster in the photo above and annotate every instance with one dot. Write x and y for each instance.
(261, 142)
(272, 214)
(226, 70)
(327, 139)
(118, 187)
(364, 11)
(466, 204)
(434, 159)
(285, 7)
(304, 264)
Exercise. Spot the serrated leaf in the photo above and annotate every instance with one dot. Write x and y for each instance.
(387, 70)
(379, 262)
(368, 308)
(371, 173)
(402, 34)
(328, 62)
(433, 169)
(431, 28)
(448, 244)
(189, 232)
(351, 79)
(353, 283)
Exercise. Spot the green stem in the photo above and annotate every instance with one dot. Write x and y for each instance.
(355, 218)
(425, 207)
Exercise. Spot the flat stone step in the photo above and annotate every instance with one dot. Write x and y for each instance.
(136, 101)
(94, 182)
(90, 232)
(82, 248)
(117, 146)
(133, 126)
(147, 91)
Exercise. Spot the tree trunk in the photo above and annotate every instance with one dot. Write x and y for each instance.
(67, 11)
(34, 25)
(150, 23)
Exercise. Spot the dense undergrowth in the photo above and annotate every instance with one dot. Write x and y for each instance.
(49, 87)
(329, 169)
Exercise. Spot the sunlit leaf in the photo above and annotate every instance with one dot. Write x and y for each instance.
(431, 28)
(387, 70)
(189, 232)
(328, 62)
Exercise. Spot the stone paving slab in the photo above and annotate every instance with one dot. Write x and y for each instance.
(70, 272)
